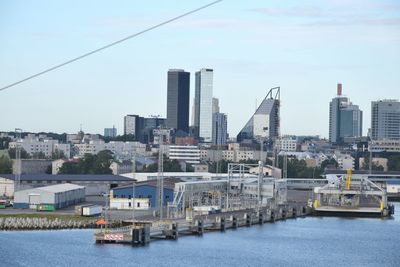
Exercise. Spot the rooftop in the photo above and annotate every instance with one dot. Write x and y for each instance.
(68, 177)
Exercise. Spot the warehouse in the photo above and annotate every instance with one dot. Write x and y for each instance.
(95, 184)
(49, 197)
(144, 194)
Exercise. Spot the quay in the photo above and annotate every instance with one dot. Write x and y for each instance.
(142, 232)
(244, 199)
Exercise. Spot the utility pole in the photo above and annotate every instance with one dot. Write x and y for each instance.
(133, 184)
(17, 180)
(160, 178)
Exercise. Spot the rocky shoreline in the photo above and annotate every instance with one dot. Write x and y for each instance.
(17, 223)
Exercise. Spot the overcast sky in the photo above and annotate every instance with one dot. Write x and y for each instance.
(305, 47)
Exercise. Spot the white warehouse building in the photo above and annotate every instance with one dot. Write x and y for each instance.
(53, 197)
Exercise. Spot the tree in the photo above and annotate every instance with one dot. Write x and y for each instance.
(394, 163)
(90, 164)
(70, 168)
(329, 162)
(5, 165)
(298, 168)
(168, 166)
(4, 142)
(124, 138)
(57, 154)
(24, 154)
(39, 155)
(374, 167)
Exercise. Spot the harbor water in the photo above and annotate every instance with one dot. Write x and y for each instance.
(310, 241)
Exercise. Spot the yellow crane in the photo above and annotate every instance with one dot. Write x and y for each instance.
(348, 179)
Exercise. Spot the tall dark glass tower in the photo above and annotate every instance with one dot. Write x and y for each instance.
(178, 100)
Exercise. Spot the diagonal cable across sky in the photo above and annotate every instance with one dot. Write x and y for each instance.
(110, 45)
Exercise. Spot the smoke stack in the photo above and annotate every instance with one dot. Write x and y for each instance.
(339, 89)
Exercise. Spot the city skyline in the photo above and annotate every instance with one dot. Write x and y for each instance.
(351, 42)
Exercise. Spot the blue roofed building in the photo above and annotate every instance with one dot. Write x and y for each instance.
(144, 194)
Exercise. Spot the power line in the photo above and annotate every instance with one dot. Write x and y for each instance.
(110, 45)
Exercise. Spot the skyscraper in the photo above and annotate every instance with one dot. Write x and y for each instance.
(215, 107)
(345, 119)
(133, 125)
(203, 104)
(219, 129)
(178, 100)
(110, 132)
(385, 120)
(265, 122)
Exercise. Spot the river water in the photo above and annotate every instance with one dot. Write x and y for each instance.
(311, 241)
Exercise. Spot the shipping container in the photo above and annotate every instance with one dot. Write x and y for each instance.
(92, 210)
(45, 207)
(79, 209)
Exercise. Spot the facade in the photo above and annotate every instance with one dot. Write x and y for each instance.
(288, 143)
(110, 132)
(132, 125)
(345, 119)
(95, 184)
(121, 167)
(345, 162)
(215, 105)
(219, 128)
(204, 104)
(385, 145)
(33, 166)
(121, 150)
(40, 144)
(146, 134)
(178, 96)
(53, 197)
(265, 122)
(146, 190)
(188, 154)
(385, 120)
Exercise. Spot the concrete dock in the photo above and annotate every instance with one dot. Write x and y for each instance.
(142, 232)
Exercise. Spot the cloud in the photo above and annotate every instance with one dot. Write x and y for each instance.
(299, 11)
(337, 16)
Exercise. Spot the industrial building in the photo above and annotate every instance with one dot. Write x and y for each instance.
(95, 184)
(144, 194)
(49, 197)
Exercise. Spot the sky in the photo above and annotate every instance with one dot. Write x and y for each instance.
(305, 47)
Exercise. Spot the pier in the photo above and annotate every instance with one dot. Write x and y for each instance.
(142, 232)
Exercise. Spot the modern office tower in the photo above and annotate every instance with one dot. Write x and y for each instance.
(149, 124)
(133, 125)
(215, 107)
(265, 122)
(203, 104)
(110, 132)
(178, 100)
(345, 119)
(385, 120)
(219, 129)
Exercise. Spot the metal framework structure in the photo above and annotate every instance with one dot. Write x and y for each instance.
(348, 192)
(239, 190)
